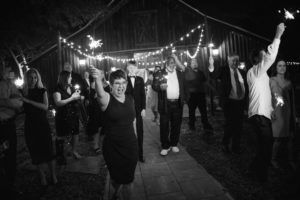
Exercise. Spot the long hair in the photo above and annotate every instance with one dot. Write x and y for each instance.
(39, 83)
(274, 69)
(63, 79)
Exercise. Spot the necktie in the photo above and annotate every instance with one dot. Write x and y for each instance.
(132, 79)
(239, 90)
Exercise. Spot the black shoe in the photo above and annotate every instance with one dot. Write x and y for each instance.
(225, 149)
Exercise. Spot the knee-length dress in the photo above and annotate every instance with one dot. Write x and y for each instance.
(284, 121)
(67, 116)
(120, 147)
(37, 129)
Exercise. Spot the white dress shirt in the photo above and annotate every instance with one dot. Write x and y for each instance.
(132, 79)
(259, 84)
(173, 85)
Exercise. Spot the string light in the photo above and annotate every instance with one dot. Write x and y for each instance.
(100, 57)
(198, 46)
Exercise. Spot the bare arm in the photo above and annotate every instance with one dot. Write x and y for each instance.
(43, 106)
(59, 102)
(102, 96)
(211, 66)
(178, 63)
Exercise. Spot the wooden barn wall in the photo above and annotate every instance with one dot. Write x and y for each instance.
(227, 41)
(148, 26)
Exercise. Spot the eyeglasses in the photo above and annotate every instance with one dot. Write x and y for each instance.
(120, 83)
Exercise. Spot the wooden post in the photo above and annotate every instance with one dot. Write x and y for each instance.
(211, 97)
(59, 53)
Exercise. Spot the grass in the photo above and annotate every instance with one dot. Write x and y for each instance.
(230, 169)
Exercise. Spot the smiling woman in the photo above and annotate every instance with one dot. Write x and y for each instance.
(120, 146)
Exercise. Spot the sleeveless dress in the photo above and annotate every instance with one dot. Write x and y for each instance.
(67, 116)
(283, 122)
(37, 129)
(120, 147)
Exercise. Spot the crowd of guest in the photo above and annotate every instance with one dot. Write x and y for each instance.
(112, 113)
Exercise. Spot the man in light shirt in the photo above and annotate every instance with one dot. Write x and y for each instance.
(169, 84)
(260, 106)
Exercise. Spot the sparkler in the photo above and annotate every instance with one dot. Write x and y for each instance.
(53, 111)
(287, 14)
(94, 43)
(19, 82)
(279, 100)
(77, 87)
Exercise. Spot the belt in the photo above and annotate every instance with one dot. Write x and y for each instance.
(172, 100)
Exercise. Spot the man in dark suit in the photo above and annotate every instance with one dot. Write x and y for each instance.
(234, 92)
(136, 88)
(169, 84)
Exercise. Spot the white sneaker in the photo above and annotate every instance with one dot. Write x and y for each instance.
(175, 149)
(164, 152)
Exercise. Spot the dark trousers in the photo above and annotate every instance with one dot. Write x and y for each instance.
(140, 133)
(197, 100)
(233, 128)
(263, 130)
(170, 119)
(8, 159)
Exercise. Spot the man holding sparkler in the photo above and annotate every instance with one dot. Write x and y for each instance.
(169, 84)
(260, 105)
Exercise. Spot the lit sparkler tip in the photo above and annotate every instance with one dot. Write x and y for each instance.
(288, 15)
(76, 87)
(19, 82)
(279, 100)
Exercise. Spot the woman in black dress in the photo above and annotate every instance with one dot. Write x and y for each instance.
(120, 149)
(37, 129)
(67, 117)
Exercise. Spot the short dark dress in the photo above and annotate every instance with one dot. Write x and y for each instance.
(67, 116)
(120, 147)
(37, 129)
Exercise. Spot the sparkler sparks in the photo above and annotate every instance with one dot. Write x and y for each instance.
(19, 82)
(288, 15)
(279, 100)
